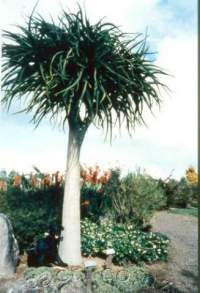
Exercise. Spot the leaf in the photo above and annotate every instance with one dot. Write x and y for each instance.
(66, 63)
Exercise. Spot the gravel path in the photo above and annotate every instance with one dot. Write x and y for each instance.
(182, 268)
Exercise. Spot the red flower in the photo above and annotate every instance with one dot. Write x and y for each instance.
(17, 180)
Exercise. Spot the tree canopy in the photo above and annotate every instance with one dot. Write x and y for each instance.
(92, 73)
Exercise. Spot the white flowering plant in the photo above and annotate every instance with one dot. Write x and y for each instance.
(130, 245)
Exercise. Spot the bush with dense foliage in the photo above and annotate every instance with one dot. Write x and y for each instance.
(133, 198)
(183, 195)
(130, 245)
(32, 208)
(31, 212)
(180, 193)
(92, 202)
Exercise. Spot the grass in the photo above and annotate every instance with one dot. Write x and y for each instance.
(187, 212)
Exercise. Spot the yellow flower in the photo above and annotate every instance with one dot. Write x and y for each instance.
(191, 176)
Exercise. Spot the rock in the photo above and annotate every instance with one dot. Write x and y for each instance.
(9, 250)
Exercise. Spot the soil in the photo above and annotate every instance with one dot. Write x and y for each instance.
(181, 270)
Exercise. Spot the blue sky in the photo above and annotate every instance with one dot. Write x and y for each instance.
(170, 141)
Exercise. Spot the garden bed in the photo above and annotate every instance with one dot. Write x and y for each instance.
(131, 279)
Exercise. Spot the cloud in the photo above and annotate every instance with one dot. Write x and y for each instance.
(22, 147)
(170, 141)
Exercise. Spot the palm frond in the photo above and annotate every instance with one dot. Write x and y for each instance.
(75, 63)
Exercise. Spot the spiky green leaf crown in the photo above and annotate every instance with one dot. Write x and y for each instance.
(74, 65)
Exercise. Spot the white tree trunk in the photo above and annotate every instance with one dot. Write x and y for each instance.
(70, 244)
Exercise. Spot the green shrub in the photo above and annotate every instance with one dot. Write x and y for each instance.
(179, 193)
(31, 212)
(194, 199)
(170, 189)
(96, 200)
(134, 197)
(184, 194)
(130, 245)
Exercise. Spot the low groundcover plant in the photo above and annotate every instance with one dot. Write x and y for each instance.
(130, 279)
(130, 245)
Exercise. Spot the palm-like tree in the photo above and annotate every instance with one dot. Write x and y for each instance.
(84, 74)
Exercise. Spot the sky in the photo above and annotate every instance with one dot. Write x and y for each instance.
(168, 145)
